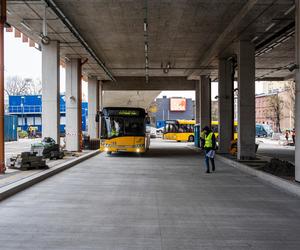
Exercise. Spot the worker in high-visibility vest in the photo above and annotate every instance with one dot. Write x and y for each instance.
(113, 130)
(209, 147)
(202, 138)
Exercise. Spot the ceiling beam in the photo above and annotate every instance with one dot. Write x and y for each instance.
(214, 50)
(155, 83)
(78, 36)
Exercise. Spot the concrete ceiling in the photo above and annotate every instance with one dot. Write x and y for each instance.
(190, 34)
(141, 99)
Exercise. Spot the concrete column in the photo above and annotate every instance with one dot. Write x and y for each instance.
(73, 104)
(203, 102)
(197, 104)
(297, 78)
(93, 107)
(50, 91)
(246, 100)
(225, 105)
(100, 84)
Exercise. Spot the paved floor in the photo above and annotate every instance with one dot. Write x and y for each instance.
(162, 200)
(13, 148)
(16, 147)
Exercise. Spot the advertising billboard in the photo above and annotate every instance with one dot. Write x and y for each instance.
(178, 104)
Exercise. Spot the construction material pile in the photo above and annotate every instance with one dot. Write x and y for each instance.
(47, 148)
(27, 161)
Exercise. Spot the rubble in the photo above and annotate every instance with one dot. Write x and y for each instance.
(27, 161)
(279, 168)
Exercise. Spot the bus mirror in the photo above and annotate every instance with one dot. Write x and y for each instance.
(97, 118)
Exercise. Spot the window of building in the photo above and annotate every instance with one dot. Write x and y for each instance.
(62, 120)
(37, 121)
(30, 121)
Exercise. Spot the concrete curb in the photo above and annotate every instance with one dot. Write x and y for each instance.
(22, 184)
(283, 184)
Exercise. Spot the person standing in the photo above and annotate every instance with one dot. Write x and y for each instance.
(209, 147)
(287, 136)
(294, 136)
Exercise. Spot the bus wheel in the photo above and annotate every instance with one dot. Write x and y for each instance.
(109, 152)
(191, 138)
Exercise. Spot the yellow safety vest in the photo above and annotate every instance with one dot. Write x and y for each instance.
(113, 132)
(208, 140)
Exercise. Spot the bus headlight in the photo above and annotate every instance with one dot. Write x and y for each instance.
(106, 149)
(138, 150)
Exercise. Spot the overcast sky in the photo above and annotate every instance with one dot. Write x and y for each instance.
(20, 59)
(25, 61)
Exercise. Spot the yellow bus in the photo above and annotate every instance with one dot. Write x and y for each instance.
(215, 128)
(179, 130)
(183, 130)
(124, 129)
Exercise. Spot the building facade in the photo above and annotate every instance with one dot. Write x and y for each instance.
(273, 105)
(28, 109)
(175, 108)
(270, 87)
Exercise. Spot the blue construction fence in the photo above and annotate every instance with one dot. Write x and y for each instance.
(10, 128)
(28, 110)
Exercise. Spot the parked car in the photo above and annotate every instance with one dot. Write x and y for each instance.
(151, 131)
(160, 130)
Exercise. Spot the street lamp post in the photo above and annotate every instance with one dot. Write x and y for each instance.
(22, 110)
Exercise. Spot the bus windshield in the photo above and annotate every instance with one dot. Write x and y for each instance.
(115, 126)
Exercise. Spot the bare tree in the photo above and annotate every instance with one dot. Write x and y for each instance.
(16, 85)
(291, 89)
(276, 107)
(214, 111)
(35, 87)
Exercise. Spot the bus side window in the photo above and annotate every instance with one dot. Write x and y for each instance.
(167, 128)
(173, 129)
(188, 128)
(180, 130)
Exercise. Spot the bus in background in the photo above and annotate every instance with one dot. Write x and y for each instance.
(179, 130)
(124, 129)
(215, 129)
(183, 130)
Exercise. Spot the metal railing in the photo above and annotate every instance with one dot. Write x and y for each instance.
(30, 109)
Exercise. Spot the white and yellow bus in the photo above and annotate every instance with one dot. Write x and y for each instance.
(124, 129)
(179, 130)
(183, 130)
